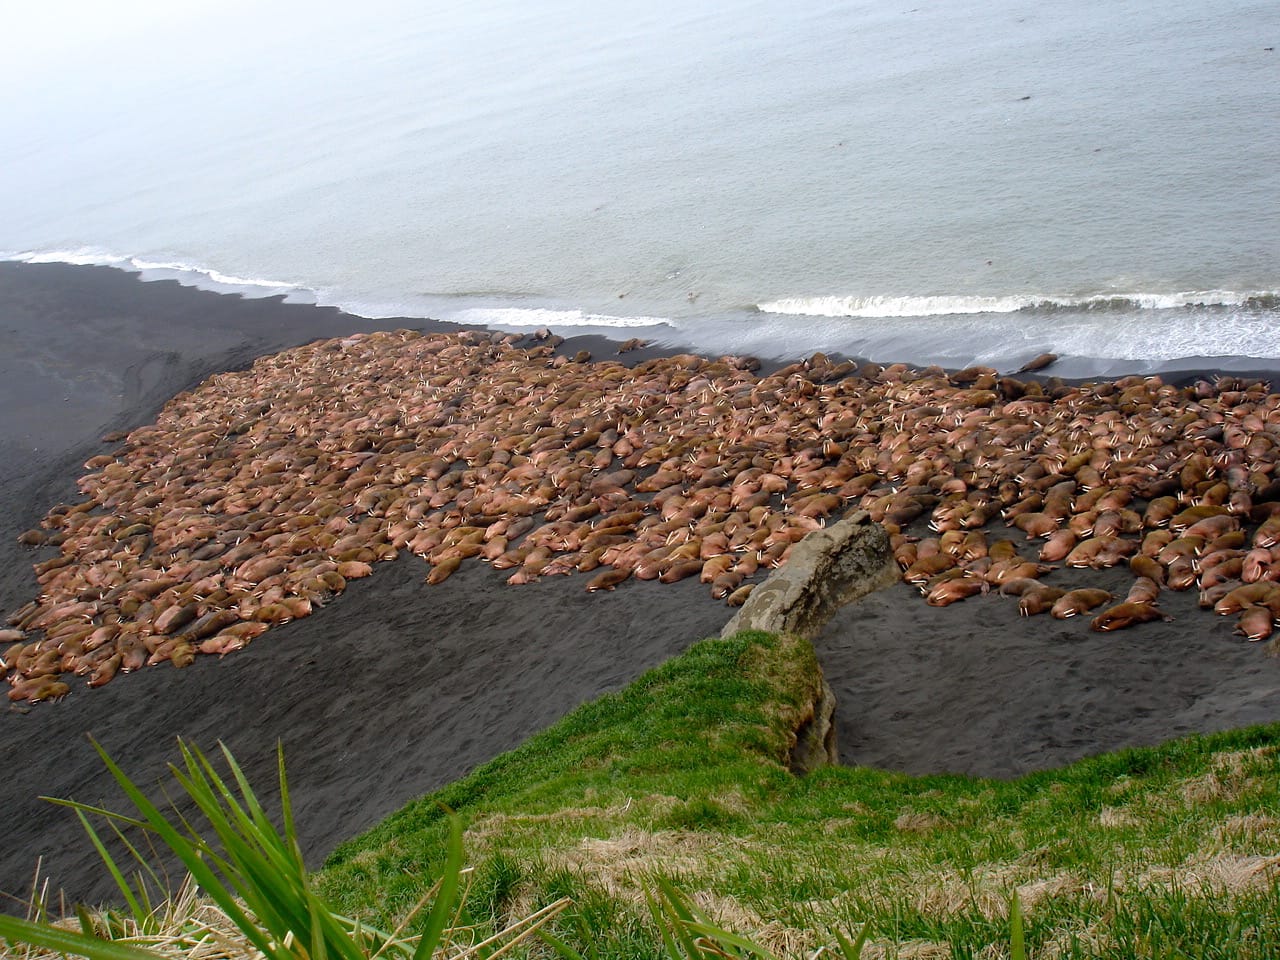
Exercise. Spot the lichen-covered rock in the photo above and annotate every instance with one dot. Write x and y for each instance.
(827, 569)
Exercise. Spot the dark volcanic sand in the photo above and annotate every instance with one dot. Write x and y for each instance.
(396, 688)
(975, 688)
(393, 690)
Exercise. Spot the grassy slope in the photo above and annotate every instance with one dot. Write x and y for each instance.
(1171, 851)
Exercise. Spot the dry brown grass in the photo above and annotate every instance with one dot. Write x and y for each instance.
(1249, 828)
(185, 926)
(1233, 775)
(914, 821)
(621, 863)
(1117, 817)
(1221, 873)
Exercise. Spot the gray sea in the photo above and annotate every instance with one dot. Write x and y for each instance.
(951, 181)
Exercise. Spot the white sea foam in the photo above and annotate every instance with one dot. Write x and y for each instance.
(956, 331)
(82, 257)
(1110, 343)
(224, 279)
(892, 306)
(187, 273)
(544, 317)
(942, 306)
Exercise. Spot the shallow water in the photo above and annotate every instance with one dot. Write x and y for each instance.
(955, 182)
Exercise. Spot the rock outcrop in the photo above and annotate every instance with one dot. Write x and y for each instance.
(815, 744)
(827, 569)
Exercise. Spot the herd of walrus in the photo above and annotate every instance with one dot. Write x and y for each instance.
(254, 498)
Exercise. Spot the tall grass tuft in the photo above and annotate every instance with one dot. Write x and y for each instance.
(253, 875)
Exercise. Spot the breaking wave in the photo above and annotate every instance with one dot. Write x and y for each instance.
(545, 317)
(941, 306)
(186, 273)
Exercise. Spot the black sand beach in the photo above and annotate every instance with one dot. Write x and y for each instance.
(397, 688)
(974, 688)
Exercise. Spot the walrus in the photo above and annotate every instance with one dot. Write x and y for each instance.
(1100, 552)
(1078, 601)
(132, 651)
(681, 569)
(442, 570)
(39, 689)
(1058, 546)
(235, 637)
(1015, 569)
(1182, 574)
(1038, 601)
(925, 568)
(175, 617)
(1035, 524)
(1262, 593)
(1126, 615)
(1002, 550)
(1144, 590)
(607, 579)
(1044, 359)
(1256, 623)
(1145, 566)
(724, 585)
(354, 569)
(104, 671)
(951, 591)
(1212, 526)
(1018, 586)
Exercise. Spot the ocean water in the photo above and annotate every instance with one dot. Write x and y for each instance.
(952, 181)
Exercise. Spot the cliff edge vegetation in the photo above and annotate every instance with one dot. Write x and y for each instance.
(1167, 851)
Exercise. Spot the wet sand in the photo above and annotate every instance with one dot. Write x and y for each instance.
(396, 688)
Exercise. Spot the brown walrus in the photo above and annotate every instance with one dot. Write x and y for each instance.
(1038, 363)
(441, 571)
(1038, 601)
(1126, 615)
(960, 588)
(1144, 590)
(607, 579)
(1256, 623)
(1074, 602)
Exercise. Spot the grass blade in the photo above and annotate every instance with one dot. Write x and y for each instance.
(447, 894)
(87, 926)
(721, 938)
(125, 889)
(673, 917)
(100, 811)
(660, 920)
(191, 857)
(1017, 945)
(530, 924)
(853, 951)
(59, 940)
(562, 949)
(286, 805)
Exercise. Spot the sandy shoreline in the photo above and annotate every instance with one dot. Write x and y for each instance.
(396, 688)
(446, 679)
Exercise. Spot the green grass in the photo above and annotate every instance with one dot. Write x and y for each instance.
(256, 900)
(1171, 851)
